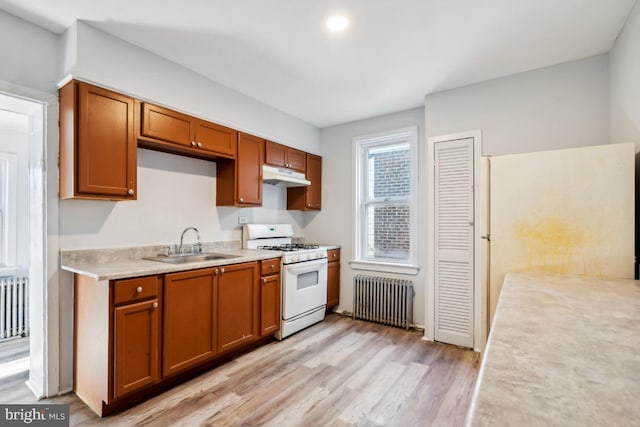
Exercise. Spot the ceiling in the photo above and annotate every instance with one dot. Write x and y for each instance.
(391, 56)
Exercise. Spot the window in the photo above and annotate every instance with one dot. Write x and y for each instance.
(8, 178)
(385, 188)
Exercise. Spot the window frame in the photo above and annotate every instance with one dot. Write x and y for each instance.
(8, 213)
(361, 146)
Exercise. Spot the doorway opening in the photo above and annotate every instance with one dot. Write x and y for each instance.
(22, 237)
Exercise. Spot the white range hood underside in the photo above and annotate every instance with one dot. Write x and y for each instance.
(288, 178)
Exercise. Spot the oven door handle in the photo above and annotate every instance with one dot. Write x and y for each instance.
(303, 267)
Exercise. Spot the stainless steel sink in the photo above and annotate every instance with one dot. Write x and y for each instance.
(182, 259)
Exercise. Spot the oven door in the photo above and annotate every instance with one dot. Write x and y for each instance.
(304, 287)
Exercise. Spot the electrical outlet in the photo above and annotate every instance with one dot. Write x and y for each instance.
(242, 220)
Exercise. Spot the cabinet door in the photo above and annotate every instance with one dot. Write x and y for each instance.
(106, 156)
(296, 159)
(308, 198)
(333, 284)
(249, 170)
(238, 305)
(314, 174)
(217, 139)
(136, 346)
(167, 125)
(189, 327)
(270, 305)
(275, 154)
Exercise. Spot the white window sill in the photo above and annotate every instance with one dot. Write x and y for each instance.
(8, 271)
(385, 267)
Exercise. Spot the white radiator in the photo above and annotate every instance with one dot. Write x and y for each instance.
(383, 300)
(14, 315)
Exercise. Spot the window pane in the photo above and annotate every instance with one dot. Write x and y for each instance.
(387, 231)
(389, 172)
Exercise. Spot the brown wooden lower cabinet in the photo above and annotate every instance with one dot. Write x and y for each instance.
(270, 296)
(134, 337)
(136, 346)
(189, 324)
(238, 305)
(333, 278)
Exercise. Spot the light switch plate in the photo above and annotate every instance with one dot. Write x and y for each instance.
(242, 220)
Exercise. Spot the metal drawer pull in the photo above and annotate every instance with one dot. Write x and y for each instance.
(221, 270)
(155, 305)
(139, 289)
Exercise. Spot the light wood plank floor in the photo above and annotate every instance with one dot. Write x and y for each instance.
(14, 370)
(339, 372)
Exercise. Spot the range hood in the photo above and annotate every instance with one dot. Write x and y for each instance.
(273, 175)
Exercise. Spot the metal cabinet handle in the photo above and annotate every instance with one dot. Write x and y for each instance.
(221, 270)
(155, 305)
(139, 289)
(193, 143)
(130, 191)
(199, 144)
(308, 205)
(273, 267)
(335, 255)
(242, 199)
(264, 280)
(215, 271)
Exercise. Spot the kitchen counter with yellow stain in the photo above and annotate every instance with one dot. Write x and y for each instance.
(563, 350)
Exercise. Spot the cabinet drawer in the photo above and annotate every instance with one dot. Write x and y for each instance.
(333, 255)
(136, 289)
(269, 266)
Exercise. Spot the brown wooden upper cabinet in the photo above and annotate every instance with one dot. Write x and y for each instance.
(98, 156)
(239, 182)
(308, 198)
(167, 130)
(284, 157)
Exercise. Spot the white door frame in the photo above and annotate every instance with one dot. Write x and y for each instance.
(479, 290)
(44, 340)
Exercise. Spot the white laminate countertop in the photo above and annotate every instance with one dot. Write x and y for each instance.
(105, 267)
(562, 351)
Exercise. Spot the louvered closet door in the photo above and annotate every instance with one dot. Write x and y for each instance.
(454, 242)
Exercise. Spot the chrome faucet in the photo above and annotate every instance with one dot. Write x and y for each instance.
(198, 246)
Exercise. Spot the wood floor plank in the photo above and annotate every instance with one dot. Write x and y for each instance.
(340, 372)
(357, 411)
(395, 398)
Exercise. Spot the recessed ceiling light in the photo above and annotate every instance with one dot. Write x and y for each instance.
(337, 23)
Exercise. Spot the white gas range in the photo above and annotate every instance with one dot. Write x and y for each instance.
(304, 275)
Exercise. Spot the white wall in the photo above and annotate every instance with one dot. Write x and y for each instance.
(555, 107)
(624, 61)
(334, 223)
(174, 192)
(29, 54)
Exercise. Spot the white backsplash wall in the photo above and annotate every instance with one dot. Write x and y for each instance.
(174, 192)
